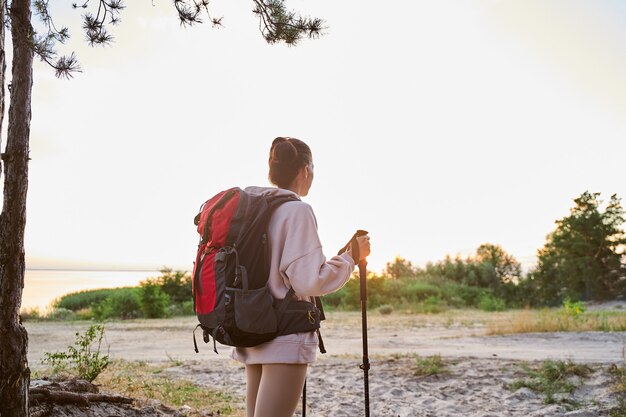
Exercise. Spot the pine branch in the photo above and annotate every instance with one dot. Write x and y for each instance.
(276, 24)
(94, 26)
(190, 12)
(279, 25)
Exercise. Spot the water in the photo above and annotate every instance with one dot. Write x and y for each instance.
(41, 287)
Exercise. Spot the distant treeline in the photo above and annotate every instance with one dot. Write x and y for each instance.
(583, 260)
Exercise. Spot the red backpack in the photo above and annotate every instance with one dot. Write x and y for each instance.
(231, 298)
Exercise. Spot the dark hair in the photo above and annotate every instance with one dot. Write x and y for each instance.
(287, 157)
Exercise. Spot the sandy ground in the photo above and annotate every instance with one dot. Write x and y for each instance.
(479, 367)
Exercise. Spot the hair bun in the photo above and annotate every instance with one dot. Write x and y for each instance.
(287, 156)
(283, 151)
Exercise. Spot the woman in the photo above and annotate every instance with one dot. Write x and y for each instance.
(276, 370)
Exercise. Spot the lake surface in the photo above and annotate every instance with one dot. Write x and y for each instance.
(41, 287)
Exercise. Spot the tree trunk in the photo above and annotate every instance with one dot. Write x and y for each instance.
(3, 67)
(14, 371)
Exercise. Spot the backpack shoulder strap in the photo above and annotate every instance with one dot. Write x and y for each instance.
(275, 201)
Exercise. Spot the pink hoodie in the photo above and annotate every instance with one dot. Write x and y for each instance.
(297, 261)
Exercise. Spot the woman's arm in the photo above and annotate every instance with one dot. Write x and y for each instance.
(303, 262)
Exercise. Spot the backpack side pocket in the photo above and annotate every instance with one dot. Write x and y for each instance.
(299, 316)
(254, 312)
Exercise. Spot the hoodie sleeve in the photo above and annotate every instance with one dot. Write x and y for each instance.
(302, 261)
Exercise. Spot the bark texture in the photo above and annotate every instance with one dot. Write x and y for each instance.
(3, 67)
(14, 371)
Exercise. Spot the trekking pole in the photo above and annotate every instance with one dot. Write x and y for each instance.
(365, 366)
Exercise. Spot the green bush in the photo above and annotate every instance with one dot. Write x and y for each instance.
(188, 309)
(470, 296)
(427, 293)
(154, 302)
(123, 303)
(433, 304)
(334, 300)
(490, 303)
(176, 284)
(416, 291)
(83, 299)
(182, 309)
(351, 299)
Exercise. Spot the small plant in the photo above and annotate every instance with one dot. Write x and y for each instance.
(573, 308)
(551, 378)
(80, 358)
(428, 366)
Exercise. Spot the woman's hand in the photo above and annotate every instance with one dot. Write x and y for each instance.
(364, 248)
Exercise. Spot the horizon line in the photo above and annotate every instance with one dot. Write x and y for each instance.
(99, 269)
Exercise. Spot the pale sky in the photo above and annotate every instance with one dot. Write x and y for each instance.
(435, 125)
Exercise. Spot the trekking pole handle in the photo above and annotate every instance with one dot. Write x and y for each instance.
(353, 244)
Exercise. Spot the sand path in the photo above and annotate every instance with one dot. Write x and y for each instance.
(478, 367)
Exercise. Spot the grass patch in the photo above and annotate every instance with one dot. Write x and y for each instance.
(619, 410)
(559, 320)
(552, 378)
(619, 386)
(144, 382)
(430, 365)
